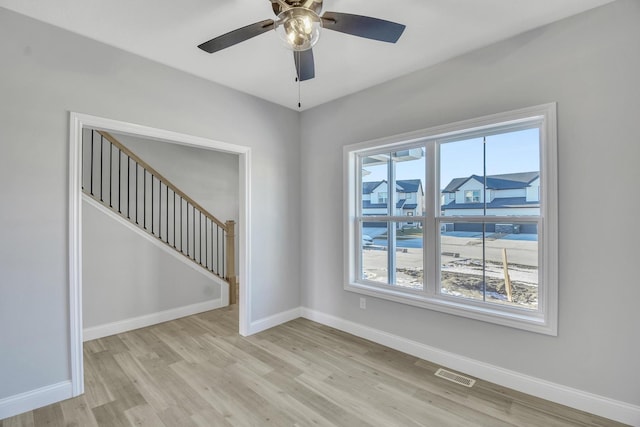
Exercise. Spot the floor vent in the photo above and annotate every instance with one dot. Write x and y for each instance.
(456, 378)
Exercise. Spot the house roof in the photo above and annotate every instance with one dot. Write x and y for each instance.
(368, 187)
(406, 185)
(506, 202)
(366, 204)
(507, 181)
(409, 185)
(454, 185)
(402, 203)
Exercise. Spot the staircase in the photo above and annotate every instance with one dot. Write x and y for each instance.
(122, 182)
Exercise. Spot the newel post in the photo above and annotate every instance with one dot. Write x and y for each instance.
(231, 261)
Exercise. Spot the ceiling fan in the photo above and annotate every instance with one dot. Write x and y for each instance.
(298, 24)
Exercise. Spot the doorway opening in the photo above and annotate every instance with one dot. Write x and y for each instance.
(80, 123)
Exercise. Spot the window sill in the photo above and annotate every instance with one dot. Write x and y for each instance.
(519, 319)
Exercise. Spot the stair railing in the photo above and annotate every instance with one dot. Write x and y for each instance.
(120, 180)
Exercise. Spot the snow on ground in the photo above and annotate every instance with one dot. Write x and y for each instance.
(461, 268)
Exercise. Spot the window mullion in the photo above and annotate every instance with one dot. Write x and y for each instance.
(484, 224)
(430, 232)
(391, 229)
(357, 243)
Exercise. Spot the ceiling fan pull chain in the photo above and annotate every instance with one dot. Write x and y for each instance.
(298, 79)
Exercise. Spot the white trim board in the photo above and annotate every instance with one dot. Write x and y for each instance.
(275, 320)
(145, 320)
(33, 399)
(574, 398)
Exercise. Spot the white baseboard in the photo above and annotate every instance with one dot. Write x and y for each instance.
(120, 326)
(574, 398)
(275, 320)
(30, 400)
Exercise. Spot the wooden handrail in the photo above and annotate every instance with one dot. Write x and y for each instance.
(158, 175)
(228, 228)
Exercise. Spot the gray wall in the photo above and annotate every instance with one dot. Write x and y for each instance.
(126, 276)
(46, 72)
(590, 65)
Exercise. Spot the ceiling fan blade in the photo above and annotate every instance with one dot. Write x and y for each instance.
(363, 26)
(304, 65)
(237, 36)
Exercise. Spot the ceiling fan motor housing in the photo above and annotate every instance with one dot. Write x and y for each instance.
(313, 5)
(299, 28)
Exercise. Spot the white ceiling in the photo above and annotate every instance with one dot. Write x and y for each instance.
(168, 31)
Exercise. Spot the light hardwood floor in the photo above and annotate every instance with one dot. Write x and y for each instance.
(197, 371)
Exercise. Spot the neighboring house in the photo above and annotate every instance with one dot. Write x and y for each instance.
(506, 194)
(408, 198)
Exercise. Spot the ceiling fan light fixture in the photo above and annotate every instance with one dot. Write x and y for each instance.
(299, 28)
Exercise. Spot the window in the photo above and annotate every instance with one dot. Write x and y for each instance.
(379, 263)
(409, 214)
(472, 196)
(382, 197)
(481, 244)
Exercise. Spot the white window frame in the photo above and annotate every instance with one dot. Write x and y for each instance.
(545, 319)
(473, 196)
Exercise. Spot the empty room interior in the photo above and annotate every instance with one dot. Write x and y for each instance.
(336, 213)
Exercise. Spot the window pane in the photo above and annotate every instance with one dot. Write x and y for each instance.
(374, 255)
(513, 173)
(461, 260)
(375, 191)
(512, 264)
(409, 168)
(409, 270)
(504, 256)
(512, 182)
(462, 177)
